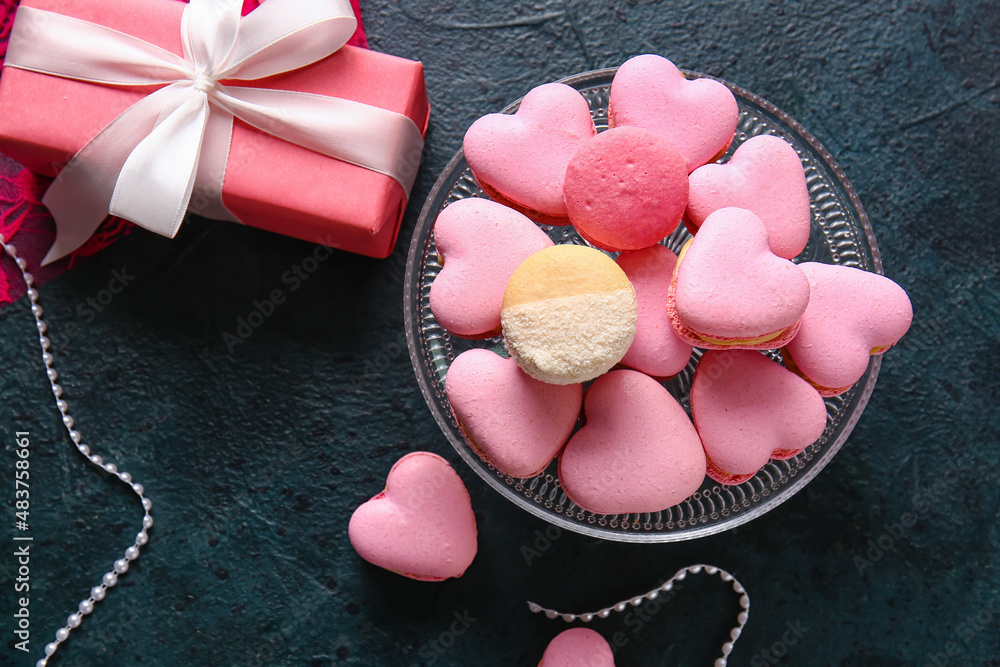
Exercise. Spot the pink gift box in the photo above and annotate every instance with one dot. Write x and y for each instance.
(270, 184)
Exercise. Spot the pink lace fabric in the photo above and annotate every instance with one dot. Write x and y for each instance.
(26, 223)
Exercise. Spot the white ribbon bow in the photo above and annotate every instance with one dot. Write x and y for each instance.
(144, 165)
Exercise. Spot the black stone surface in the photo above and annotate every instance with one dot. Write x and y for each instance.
(256, 456)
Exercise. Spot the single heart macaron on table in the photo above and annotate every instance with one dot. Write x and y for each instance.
(421, 525)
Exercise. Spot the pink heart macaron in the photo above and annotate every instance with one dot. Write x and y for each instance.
(749, 409)
(479, 244)
(765, 176)
(697, 116)
(852, 315)
(638, 452)
(626, 189)
(656, 350)
(421, 526)
(510, 419)
(730, 291)
(578, 647)
(520, 160)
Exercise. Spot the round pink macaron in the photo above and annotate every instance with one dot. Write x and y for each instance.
(626, 189)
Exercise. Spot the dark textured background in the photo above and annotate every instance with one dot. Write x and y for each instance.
(255, 457)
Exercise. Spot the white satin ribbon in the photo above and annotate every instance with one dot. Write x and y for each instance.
(144, 165)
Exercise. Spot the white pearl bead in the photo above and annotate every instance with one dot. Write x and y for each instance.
(62, 634)
(11, 249)
(138, 488)
(125, 477)
(97, 459)
(41, 663)
(86, 607)
(147, 522)
(51, 372)
(84, 449)
(56, 389)
(73, 620)
(97, 593)
(37, 310)
(147, 504)
(61, 405)
(74, 435)
(110, 579)
(141, 538)
(121, 566)
(21, 264)
(50, 648)
(131, 553)
(67, 420)
(32, 294)
(29, 281)
(111, 467)
(44, 342)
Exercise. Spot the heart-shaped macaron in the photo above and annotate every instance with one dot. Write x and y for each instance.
(421, 526)
(480, 243)
(765, 176)
(656, 350)
(520, 160)
(852, 315)
(730, 291)
(697, 116)
(510, 419)
(638, 452)
(578, 647)
(749, 409)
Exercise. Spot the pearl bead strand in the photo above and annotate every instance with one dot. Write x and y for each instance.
(121, 566)
(680, 575)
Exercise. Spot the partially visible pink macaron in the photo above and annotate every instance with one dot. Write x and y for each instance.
(852, 315)
(479, 244)
(764, 176)
(749, 409)
(578, 647)
(510, 419)
(520, 159)
(730, 291)
(626, 189)
(656, 350)
(638, 452)
(421, 526)
(697, 116)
